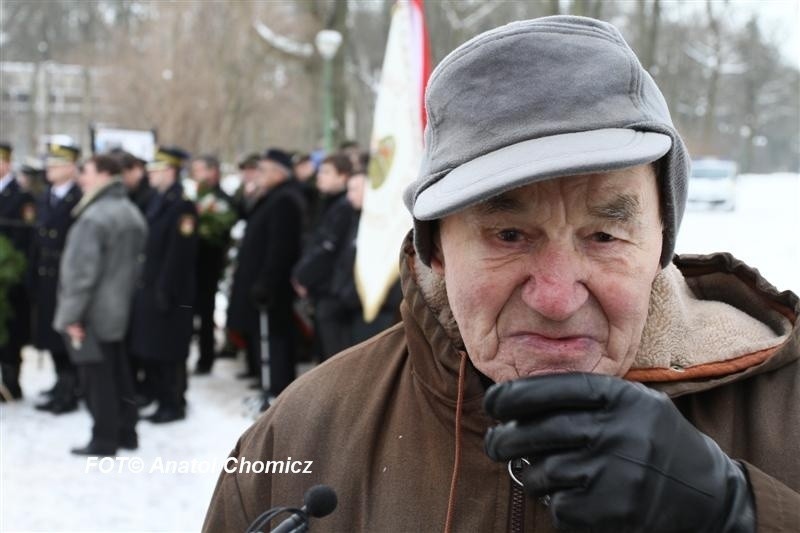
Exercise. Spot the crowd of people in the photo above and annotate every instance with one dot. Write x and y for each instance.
(122, 268)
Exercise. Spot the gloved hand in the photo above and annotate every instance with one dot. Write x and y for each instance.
(616, 456)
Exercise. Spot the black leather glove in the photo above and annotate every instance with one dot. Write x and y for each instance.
(616, 456)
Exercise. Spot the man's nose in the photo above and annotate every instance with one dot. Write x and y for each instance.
(556, 286)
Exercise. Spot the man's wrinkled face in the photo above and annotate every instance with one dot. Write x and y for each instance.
(554, 276)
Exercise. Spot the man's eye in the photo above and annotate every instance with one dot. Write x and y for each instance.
(601, 236)
(509, 235)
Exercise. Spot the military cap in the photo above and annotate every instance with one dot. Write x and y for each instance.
(168, 157)
(62, 154)
(5, 151)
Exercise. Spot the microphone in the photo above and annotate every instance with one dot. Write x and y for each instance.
(318, 501)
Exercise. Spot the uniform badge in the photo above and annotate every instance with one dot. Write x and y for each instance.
(28, 213)
(186, 225)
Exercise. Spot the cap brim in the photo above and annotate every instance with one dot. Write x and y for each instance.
(155, 166)
(58, 161)
(537, 160)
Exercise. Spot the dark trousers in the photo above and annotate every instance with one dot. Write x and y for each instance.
(71, 383)
(109, 396)
(204, 305)
(281, 360)
(62, 362)
(169, 381)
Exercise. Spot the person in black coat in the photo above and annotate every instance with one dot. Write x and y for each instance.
(269, 250)
(17, 215)
(217, 215)
(134, 177)
(53, 220)
(314, 271)
(161, 322)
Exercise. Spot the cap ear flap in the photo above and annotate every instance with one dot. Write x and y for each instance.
(435, 254)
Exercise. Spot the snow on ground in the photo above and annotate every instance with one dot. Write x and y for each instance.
(763, 230)
(44, 488)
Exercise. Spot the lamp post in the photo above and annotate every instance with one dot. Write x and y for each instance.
(327, 42)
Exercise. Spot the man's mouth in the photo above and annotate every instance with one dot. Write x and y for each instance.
(570, 346)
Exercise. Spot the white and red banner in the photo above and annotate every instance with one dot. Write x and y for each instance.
(396, 152)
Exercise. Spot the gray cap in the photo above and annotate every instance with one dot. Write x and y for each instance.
(540, 99)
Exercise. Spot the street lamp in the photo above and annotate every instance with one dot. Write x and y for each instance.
(327, 42)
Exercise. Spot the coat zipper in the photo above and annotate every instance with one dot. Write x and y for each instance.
(517, 521)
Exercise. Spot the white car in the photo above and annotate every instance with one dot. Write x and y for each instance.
(713, 183)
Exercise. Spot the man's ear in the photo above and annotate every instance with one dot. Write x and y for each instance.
(437, 257)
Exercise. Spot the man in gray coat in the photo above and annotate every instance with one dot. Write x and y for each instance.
(97, 278)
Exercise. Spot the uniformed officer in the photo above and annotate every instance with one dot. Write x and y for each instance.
(216, 218)
(17, 215)
(161, 326)
(53, 220)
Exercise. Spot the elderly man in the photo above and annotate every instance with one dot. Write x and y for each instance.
(97, 278)
(262, 280)
(557, 367)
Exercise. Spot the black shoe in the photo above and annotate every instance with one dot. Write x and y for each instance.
(129, 441)
(95, 449)
(162, 416)
(62, 406)
(246, 375)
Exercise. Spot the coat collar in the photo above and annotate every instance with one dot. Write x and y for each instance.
(112, 189)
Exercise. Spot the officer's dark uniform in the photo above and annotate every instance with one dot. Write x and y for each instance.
(161, 324)
(53, 220)
(270, 248)
(217, 217)
(17, 216)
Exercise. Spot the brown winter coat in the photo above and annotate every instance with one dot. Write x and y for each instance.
(378, 421)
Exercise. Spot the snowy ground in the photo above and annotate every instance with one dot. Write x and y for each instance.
(763, 230)
(43, 488)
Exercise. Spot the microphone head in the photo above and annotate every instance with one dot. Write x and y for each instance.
(320, 500)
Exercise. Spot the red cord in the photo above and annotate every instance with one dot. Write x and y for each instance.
(451, 502)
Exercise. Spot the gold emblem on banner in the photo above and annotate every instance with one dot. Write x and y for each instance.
(381, 162)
